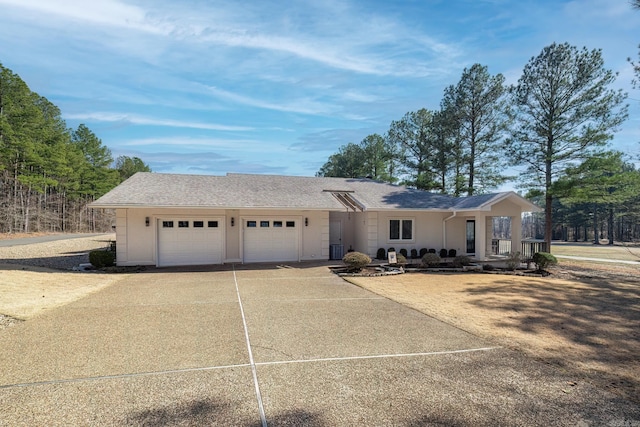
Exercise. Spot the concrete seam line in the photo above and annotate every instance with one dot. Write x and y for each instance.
(379, 356)
(120, 376)
(320, 299)
(263, 417)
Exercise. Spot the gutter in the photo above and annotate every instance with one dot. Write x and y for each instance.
(444, 228)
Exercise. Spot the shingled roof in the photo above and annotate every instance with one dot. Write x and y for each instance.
(243, 191)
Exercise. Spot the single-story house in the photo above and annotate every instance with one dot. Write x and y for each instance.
(172, 219)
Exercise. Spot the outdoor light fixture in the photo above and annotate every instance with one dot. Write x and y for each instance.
(233, 221)
(306, 222)
(146, 221)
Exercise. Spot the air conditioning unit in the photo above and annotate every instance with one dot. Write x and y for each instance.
(336, 252)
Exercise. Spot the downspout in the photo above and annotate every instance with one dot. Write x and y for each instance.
(444, 228)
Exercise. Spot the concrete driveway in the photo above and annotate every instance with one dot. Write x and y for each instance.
(273, 346)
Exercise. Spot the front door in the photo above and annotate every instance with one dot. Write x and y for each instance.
(471, 236)
(335, 232)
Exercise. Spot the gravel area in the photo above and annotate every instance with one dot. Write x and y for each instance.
(61, 254)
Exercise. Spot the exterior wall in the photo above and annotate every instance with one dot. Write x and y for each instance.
(455, 234)
(361, 231)
(232, 236)
(427, 230)
(137, 243)
(315, 235)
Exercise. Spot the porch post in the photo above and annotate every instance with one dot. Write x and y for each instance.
(516, 234)
(481, 237)
(489, 234)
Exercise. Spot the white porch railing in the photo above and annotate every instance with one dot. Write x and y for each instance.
(529, 247)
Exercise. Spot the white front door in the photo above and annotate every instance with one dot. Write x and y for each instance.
(335, 232)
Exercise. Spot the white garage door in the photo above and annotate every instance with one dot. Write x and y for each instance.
(190, 241)
(271, 239)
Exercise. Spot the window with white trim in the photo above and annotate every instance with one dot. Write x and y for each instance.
(400, 229)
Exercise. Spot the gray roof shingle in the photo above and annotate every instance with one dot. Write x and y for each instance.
(273, 192)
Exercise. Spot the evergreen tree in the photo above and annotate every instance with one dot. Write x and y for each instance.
(129, 166)
(563, 112)
(348, 162)
(605, 182)
(476, 108)
(416, 141)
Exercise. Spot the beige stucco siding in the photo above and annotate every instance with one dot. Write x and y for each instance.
(427, 230)
(137, 243)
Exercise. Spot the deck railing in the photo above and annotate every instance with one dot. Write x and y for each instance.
(500, 247)
(529, 247)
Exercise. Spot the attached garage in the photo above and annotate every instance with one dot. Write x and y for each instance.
(190, 241)
(271, 239)
(170, 219)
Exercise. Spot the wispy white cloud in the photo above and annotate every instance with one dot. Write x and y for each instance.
(96, 12)
(187, 142)
(355, 43)
(303, 106)
(141, 120)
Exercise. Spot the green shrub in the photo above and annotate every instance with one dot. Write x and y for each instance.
(544, 260)
(431, 251)
(423, 252)
(356, 260)
(452, 253)
(443, 253)
(430, 259)
(403, 252)
(514, 261)
(414, 253)
(461, 261)
(401, 260)
(101, 259)
(381, 254)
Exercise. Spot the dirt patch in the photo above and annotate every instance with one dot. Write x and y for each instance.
(588, 326)
(27, 291)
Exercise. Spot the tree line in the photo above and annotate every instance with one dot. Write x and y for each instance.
(554, 125)
(48, 172)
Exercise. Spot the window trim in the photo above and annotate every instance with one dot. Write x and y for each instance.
(400, 239)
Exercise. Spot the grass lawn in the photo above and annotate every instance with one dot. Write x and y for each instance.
(589, 250)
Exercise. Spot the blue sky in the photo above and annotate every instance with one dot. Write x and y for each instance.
(210, 87)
